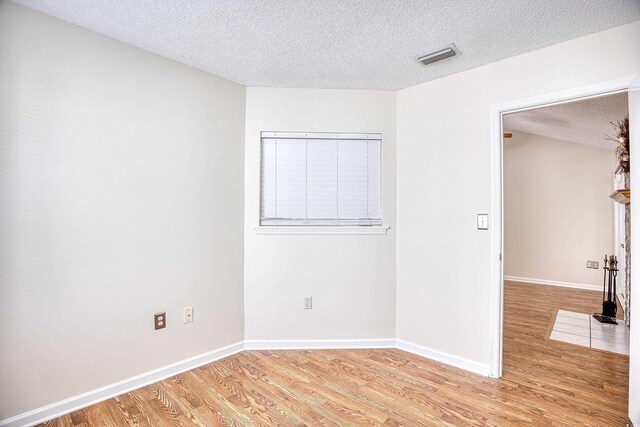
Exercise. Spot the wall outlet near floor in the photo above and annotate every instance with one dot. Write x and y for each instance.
(589, 264)
(160, 320)
(187, 315)
(308, 303)
(593, 264)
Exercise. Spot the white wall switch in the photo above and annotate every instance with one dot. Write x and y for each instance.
(188, 315)
(308, 303)
(483, 221)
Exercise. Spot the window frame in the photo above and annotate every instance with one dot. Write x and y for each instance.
(314, 228)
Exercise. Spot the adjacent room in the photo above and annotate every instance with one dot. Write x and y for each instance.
(319, 213)
(566, 188)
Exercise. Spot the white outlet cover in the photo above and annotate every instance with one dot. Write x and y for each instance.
(308, 303)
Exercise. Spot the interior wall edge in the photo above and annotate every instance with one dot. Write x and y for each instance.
(634, 353)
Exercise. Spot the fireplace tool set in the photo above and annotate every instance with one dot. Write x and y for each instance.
(609, 305)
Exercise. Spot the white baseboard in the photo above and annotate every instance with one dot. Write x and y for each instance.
(416, 349)
(585, 286)
(71, 404)
(318, 344)
(75, 403)
(439, 356)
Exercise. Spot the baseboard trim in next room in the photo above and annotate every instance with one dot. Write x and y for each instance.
(584, 286)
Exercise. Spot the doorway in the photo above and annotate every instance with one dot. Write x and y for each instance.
(497, 234)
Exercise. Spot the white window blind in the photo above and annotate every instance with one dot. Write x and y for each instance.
(321, 179)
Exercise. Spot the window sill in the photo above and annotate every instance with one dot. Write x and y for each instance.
(290, 229)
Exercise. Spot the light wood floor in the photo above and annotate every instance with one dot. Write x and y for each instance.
(545, 383)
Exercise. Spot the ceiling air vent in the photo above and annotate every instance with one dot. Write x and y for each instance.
(439, 55)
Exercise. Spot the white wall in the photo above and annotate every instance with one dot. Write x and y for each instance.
(444, 180)
(634, 353)
(557, 210)
(350, 277)
(121, 186)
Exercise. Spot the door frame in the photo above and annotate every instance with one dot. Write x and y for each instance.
(496, 219)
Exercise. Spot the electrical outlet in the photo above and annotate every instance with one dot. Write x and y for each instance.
(160, 320)
(595, 264)
(589, 264)
(308, 303)
(187, 314)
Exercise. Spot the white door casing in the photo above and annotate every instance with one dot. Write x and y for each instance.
(634, 353)
(497, 223)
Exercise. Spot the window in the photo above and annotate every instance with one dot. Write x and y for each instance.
(331, 179)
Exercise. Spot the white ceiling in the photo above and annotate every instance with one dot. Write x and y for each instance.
(358, 44)
(583, 122)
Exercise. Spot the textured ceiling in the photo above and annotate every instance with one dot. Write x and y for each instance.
(358, 44)
(583, 122)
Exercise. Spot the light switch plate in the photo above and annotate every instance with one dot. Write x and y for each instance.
(187, 315)
(483, 221)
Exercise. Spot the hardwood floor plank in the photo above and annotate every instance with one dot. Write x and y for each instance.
(303, 412)
(544, 383)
